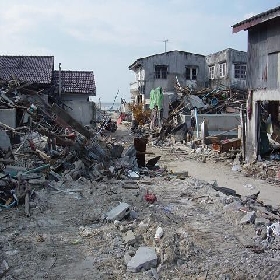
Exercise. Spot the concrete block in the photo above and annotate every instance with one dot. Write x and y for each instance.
(248, 218)
(145, 258)
(118, 213)
(129, 238)
(5, 143)
(261, 222)
(8, 117)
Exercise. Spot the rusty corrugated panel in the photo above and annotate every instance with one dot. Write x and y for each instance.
(257, 19)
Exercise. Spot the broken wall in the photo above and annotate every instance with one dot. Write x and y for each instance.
(8, 117)
(217, 123)
(79, 108)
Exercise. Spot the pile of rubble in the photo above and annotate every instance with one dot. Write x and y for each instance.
(213, 101)
(112, 229)
(48, 144)
(77, 203)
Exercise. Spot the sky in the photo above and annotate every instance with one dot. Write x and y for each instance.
(106, 36)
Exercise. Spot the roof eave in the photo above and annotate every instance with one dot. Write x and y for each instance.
(255, 20)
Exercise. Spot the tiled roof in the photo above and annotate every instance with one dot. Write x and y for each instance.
(34, 69)
(76, 82)
(257, 19)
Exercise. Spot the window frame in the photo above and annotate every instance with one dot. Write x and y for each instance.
(189, 73)
(161, 72)
(239, 73)
(222, 69)
(211, 69)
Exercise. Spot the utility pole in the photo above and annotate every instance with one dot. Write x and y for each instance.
(165, 41)
(59, 79)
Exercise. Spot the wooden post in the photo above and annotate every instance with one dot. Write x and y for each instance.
(243, 132)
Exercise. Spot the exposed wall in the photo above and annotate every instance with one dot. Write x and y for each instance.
(80, 109)
(263, 55)
(217, 122)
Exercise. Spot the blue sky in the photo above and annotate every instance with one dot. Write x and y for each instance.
(106, 36)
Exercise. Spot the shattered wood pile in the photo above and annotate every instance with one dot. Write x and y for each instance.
(48, 145)
(213, 101)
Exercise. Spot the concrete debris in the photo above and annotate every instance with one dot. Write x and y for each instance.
(144, 259)
(129, 238)
(4, 267)
(248, 218)
(118, 213)
(5, 143)
(261, 221)
(60, 183)
(275, 228)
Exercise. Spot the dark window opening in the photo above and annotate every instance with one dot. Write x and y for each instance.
(161, 72)
(240, 71)
(191, 73)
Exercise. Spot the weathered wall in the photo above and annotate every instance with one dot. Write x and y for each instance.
(257, 58)
(80, 109)
(177, 62)
(263, 75)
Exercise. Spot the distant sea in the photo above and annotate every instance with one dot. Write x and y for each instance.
(107, 106)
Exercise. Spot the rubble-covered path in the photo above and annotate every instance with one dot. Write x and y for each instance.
(66, 238)
(207, 234)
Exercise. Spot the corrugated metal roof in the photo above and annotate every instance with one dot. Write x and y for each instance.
(257, 19)
(76, 82)
(34, 69)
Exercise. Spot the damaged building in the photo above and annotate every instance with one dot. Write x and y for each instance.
(262, 80)
(28, 76)
(165, 70)
(227, 68)
(74, 89)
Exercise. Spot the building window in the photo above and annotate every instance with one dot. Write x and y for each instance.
(191, 73)
(240, 71)
(223, 67)
(161, 72)
(212, 72)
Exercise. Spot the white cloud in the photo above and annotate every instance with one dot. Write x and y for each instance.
(91, 33)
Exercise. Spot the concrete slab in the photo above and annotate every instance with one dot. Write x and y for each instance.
(118, 213)
(145, 258)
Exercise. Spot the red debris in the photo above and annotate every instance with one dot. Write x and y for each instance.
(150, 197)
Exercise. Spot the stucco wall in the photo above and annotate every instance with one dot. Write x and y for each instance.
(230, 57)
(79, 108)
